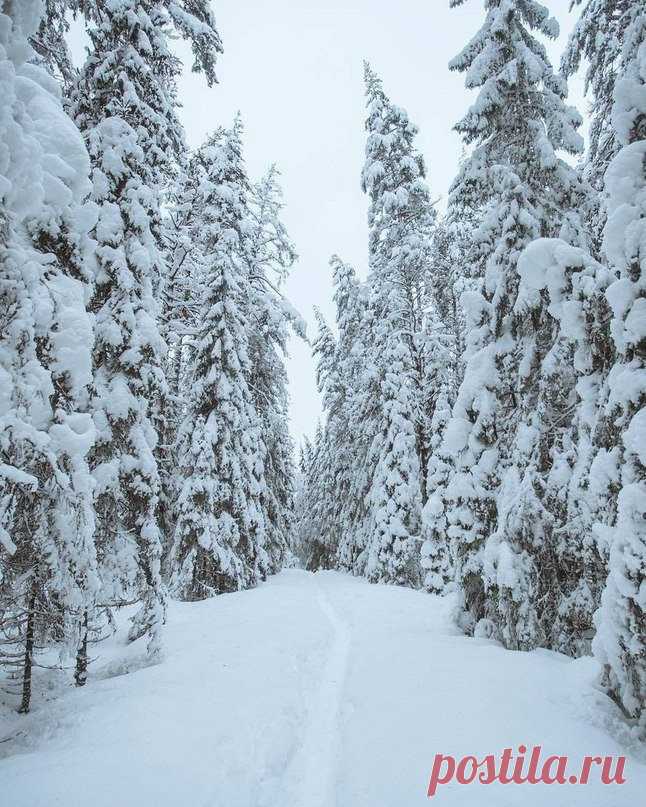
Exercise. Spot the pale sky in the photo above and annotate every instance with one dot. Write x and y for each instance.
(294, 68)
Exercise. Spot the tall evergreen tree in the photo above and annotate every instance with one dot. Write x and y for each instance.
(450, 277)
(125, 106)
(348, 445)
(620, 643)
(179, 323)
(436, 549)
(319, 523)
(219, 542)
(214, 184)
(269, 253)
(562, 424)
(517, 124)
(401, 219)
(597, 37)
(47, 560)
(454, 271)
(336, 484)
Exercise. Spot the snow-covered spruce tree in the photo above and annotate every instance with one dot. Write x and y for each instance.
(220, 528)
(269, 253)
(47, 559)
(316, 548)
(401, 219)
(517, 124)
(318, 516)
(483, 414)
(124, 104)
(395, 499)
(597, 37)
(333, 510)
(348, 445)
(562, 286)
(520, 108)
(179, 322)
(449, 279)
(219, 542)
(620, 643)
(300, 540)
(181, 305)
(332, 506)
(435, 552)
(453, 272)
(591, 497)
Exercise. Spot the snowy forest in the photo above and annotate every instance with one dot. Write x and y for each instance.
(145, 443)
(485, 387)
(483, 436)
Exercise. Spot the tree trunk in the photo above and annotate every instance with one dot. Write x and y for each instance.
(29, 650)
(80, 673)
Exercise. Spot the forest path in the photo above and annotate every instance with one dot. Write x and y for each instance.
(313, 690)
(314, 767)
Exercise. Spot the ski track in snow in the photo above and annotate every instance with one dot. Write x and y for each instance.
(316, 761)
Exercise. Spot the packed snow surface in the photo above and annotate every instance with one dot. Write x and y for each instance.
(313, 690)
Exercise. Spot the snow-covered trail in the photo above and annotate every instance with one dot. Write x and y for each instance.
(313, 772)
(311, 691)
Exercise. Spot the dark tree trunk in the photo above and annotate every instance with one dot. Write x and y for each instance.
(80, 673)
(29, 651)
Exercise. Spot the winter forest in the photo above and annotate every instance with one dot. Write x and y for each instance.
(482, 443)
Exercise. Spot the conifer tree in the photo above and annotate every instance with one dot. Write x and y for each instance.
(47, 560)
(517, 124)
(219, 542)
(319, 523)
(269, 253)
(266, 253)
(451, 275)
(344, 418)
(576, 432)
(620, 643)
(335, 483)
(300, 540)
(401, 220)
(435, 551)
(316, 547)
(561, 426)
(454, 269)
(220, 529)
(395, 495)
(179, 323)
(597, 37)
(125, 106)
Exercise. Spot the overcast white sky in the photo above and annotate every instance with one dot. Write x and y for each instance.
(294, 70)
